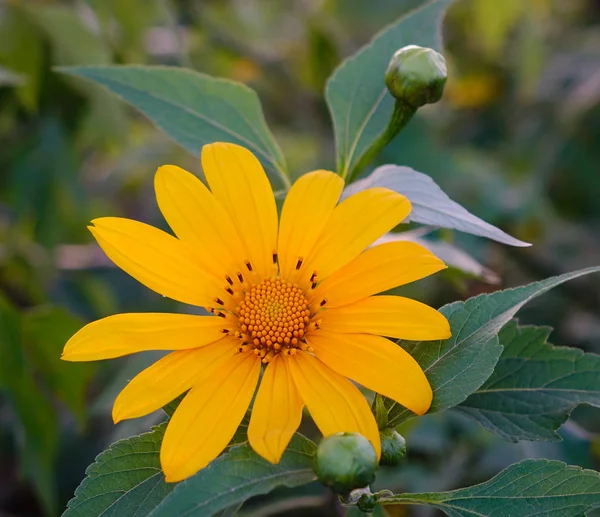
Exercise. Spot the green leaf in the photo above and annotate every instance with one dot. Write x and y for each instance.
(236, 476)
(45, 332)
(526, 489)
(358, 100)
(534, 386)
(36, 424)
(125, 480)
(458, 366)
(430, 205)
(195, 109)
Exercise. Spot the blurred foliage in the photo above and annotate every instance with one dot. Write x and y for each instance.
(514, 141)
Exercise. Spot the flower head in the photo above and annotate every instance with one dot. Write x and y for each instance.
(294, 297)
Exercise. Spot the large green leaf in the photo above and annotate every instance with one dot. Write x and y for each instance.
(236, 476)
(358, 100)
(125, 480)
(534, 386)
(526, 489)
(458, 366)
(194, 109)
(430, 205)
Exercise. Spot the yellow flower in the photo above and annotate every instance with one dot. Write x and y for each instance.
(294, 295)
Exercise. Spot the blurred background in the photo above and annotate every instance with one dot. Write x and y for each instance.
(516, 141)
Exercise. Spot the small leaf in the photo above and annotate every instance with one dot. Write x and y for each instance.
(194, 109)
(430, 205)
(458, 366)
(534, 386)
(236, 476)
(125, 480)
(526, 489)
(358, 100)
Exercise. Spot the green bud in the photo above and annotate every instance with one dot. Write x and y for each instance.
(345, 461)
(393, 447)
(367, 503)
(416, 76)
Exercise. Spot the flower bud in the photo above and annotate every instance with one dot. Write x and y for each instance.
(393, 447)
(345, 461)
(367, 503)
(416, 76)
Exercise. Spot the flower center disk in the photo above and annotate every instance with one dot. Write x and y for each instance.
(273, 318)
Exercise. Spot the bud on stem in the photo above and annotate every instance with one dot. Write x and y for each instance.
(345, 461)
(415, 76)
(393, 447)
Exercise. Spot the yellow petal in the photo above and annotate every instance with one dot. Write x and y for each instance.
(156, 259)
(375, 270)
(208, 417)
(392, 316)
(240, 184)
(169, 377)
(335, 404)
(276, 413)
(124, 334)
(306, 210)
(377, 364)
(197, 218)
(354, 225)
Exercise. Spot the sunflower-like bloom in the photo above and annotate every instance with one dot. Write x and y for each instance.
(293, 296)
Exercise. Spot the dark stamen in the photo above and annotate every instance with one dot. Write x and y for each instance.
(274, 257)
(313, 276)
(299, 263)
(228, 278)
(314, 284)
(219, 301)
(229, 290)
(225, 331)
(221, 314)
(240, 278)
(323, 302)
(249, 266)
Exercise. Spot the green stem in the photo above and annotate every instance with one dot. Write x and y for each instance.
(401, 115)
